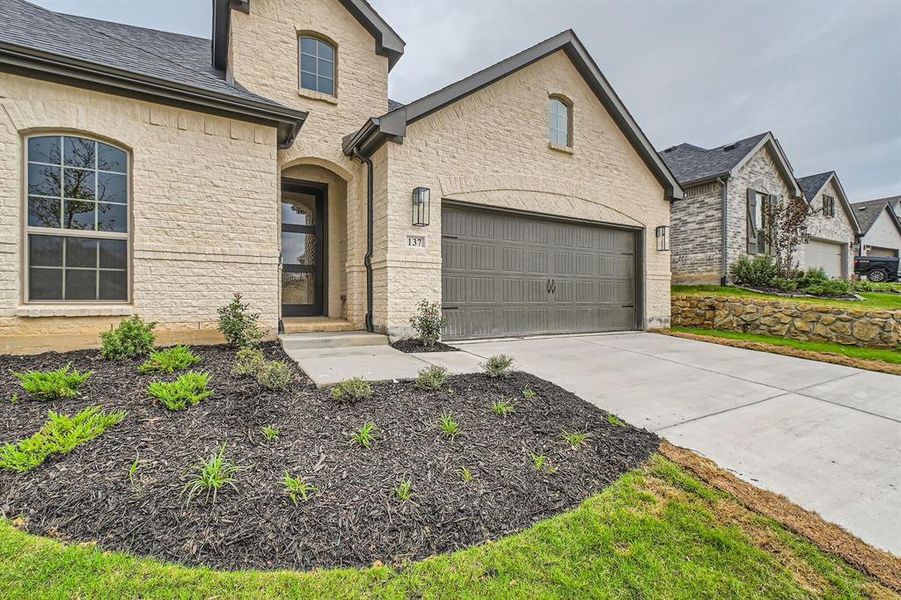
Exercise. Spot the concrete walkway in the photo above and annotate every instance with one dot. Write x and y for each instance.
(826, 436)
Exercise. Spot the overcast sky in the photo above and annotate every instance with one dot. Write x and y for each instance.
(825, 77)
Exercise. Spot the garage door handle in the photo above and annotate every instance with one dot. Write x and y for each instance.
(547, 286)
(553, 286)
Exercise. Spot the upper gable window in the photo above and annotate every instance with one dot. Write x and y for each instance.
(317, 65)
(828, 206)
(560, 122)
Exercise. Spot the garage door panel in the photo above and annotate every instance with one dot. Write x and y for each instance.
(505, 289)
(827, 255)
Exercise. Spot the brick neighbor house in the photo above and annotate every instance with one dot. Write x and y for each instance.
(880, 226)
(153, 173)
(721, 216)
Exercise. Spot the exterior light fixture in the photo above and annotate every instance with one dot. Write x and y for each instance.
(804, 234)
(662, 233)
(421, 206)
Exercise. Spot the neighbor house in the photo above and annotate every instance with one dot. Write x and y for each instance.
(157, 174)
(721, 216)
(832, 226)
(880, 227)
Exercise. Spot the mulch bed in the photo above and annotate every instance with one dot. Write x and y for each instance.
(411, 345)
(356, 519)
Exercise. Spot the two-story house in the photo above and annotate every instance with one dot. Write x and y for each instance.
(153, 173)
(722, 218)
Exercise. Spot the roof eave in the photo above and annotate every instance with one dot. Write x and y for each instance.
(387, 42)
(769, 138)
(71, 71)
(393, 124)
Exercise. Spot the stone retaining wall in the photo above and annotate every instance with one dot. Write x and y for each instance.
(808, 322)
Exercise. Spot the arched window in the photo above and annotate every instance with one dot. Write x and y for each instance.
(77, 227)
(560, 121)
(317, 65)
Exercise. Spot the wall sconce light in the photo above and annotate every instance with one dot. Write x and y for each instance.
(804, 234)
(662, 233)
(421, 206)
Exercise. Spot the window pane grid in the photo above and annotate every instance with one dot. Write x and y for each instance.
(558, 122)
(85, 257)
(317, 66)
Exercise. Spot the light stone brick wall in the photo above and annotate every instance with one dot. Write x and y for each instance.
(836, 229)
(263, 57)
(204, 208)
(762, 174)
(696, 239)
(492, 148)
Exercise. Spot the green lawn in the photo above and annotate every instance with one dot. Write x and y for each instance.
(889, 356)
(872, 301)
(656, 533)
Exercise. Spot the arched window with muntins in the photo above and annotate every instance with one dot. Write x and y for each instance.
(317, 65)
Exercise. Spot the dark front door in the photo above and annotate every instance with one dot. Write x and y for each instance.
(303, 257)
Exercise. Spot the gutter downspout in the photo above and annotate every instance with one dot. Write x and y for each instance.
(367, 259)
(724, 250)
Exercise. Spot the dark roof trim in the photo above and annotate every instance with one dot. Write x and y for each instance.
(79, 73)
(393, 124)
(883, 204)
(387, 42)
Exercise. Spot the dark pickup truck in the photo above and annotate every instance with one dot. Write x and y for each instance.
(877, 268)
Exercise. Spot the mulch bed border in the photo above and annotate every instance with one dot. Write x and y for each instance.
(89, 494)
(882, 565)
(411, 345)
(836, 359)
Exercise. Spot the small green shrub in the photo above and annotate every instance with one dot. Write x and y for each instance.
(449, 427)
(238, 325)
(502, 408)
(59, 435)
(529, 393)
(169, 360)
(428, 322)
(274, 375)
(830, 287)
(133, 471)
(133, 337)
(812, 276)
(297, 488)
(247, 362)
(351, 390)
(466, 475)
(614, 420)
(865, 285)
(575, 439)
(271, 433)
(538, 461)
(404, 490)
(365, 436)
(431, 378)
(209, 476)
(785, 284)
(759, 271)
(498, 365)
(53, 385)
(189, 389)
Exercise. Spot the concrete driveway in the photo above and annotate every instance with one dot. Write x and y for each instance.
(826, 436)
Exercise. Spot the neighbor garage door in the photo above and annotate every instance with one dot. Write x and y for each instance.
(824, 254)
(510, 274)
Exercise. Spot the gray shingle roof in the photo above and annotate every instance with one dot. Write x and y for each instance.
(170, 57)
(811, 184)
(867, 212)
(694, 164)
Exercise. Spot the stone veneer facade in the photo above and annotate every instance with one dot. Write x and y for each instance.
(697, 219)
(839, 228)
(205, 190)
(799, 321)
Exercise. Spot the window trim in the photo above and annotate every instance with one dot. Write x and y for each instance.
(563, 99)
(29, 230)
(831, 212)
(315, 35)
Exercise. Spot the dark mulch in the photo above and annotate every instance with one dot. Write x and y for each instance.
(410, 345)
(356, 519)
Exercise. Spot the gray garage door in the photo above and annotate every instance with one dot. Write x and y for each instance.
(510, 274)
